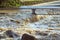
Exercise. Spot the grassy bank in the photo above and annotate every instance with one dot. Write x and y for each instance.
(18, 3)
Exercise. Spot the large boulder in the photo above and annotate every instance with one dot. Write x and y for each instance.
(28, 37)
(11, 34)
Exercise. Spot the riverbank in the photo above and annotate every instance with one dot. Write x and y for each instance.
(16, 4)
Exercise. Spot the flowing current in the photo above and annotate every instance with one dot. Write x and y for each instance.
(50, 20)
(25, 18)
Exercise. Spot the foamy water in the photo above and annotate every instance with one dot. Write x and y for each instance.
(51, 21)
(24, 14)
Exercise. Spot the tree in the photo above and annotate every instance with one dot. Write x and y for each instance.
(10, 3)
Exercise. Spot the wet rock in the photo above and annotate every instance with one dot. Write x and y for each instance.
(15, 21)
(11, 34)
(11, 20)
(2, 36)
(28, 37)
(53, 37)
(41, 33)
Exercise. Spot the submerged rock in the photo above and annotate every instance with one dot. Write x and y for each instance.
(28, 37)
(15, 21)
(11, 34)
(41, 33)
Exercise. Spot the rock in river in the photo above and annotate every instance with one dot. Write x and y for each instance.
(11, 34)
(28, 37)
(2, 37)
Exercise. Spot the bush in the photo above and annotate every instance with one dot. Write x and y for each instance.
(10, 3)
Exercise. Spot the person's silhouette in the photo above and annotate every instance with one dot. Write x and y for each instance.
(33, 11)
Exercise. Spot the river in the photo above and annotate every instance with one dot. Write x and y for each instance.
(21, 15)
(46, 18)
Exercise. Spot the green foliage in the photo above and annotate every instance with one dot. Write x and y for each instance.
(18, 3)
(10, 3)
